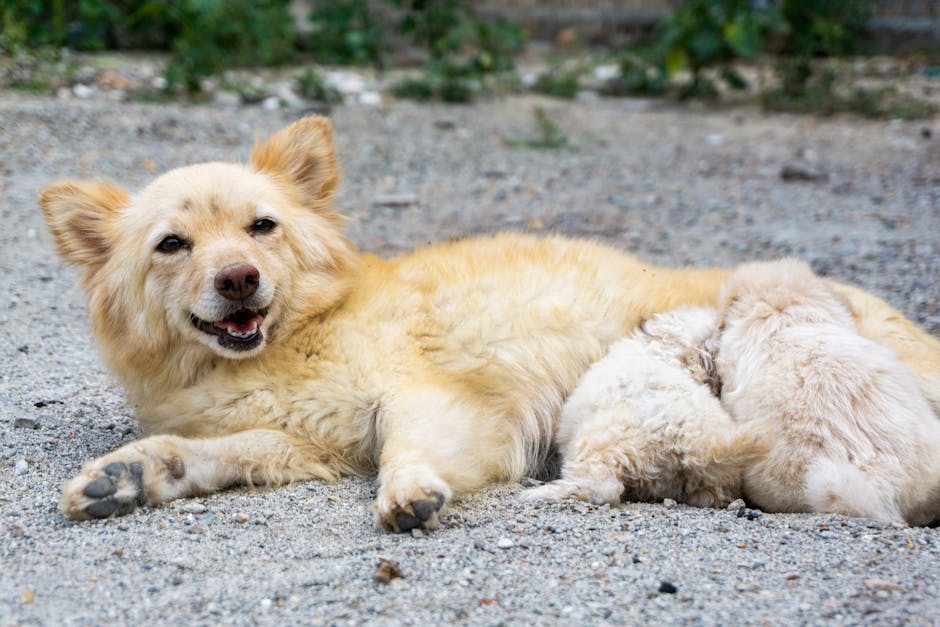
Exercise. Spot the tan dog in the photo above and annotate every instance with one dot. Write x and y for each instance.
(643, 424)
(262, 348)
(852, 433)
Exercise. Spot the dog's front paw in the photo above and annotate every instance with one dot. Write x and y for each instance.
(141, 473)
(114, 489)
(411, 498)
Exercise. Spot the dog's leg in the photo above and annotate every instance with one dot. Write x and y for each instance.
(434, 445)
(162, 468)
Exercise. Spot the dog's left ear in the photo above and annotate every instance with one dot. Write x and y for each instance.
(303, 156)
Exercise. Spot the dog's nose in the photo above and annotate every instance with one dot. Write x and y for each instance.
(237, 281)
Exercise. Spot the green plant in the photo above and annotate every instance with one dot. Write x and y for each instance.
(550, 135)
(806, 88)
(824, 27)
(558, 84)
(312, 86)
(87, 24)
(642, 72)
(446, 82)
(346, 32)
(704, 34)
(222, 33)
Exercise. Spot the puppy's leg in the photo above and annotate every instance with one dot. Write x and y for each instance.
(603, 443)
(434, 445)
(162, 468)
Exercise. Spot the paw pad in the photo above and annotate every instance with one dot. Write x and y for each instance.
(110, 490)
(422, 512)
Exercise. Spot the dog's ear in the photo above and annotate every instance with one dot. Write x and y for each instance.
(303, 156)
(81, 216)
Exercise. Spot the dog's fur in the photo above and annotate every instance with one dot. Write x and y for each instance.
(851, 431)
(441, 370)
(644, 424)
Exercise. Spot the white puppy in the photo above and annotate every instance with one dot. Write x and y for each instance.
(643, 424)
(851, 432)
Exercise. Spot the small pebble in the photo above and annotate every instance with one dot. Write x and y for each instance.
(387, 570)
(417, 533)
(194, 508)
(395, 200)
(240, 518)
(21, 467)
(666, 587)
(736, 505)
(505, 543)
(669, 503)
(26, 423)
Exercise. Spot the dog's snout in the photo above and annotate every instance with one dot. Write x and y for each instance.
(237, 281)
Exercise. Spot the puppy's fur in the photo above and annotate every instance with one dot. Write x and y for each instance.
(644, 425)
(441, 370)
(851, 431)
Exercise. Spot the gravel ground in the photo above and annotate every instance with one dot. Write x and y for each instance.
(677, 186)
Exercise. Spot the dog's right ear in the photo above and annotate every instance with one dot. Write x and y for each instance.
(302, 156)
(81, 216)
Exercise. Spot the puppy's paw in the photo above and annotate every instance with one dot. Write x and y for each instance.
(596, 491)
(115, 489)
(119, 483)
(410, 498)
(554, 491)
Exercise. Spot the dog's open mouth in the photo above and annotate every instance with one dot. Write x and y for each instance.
(240, 331)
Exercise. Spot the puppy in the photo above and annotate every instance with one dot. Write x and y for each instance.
(851, 432)
(643, 423)
(259, 346)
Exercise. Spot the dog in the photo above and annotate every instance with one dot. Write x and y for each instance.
(644, 423)
(260, 347)
(851, 432)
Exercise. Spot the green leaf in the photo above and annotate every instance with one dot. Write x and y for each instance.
(676, 61)
(705, 45)
(743, 34)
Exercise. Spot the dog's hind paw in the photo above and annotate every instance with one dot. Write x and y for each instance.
(116, 489)
(410, 499)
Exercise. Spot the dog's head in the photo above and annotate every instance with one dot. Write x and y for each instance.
(212, 258)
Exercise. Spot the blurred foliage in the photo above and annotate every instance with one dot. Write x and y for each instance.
(808, 88)
(558, 83)
(824, 27)
(314, 87)
(217, 34)
(550, 135)
(346, 32)
(697, 51)
(710, 34)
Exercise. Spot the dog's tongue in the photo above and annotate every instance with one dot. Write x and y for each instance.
(243, 322)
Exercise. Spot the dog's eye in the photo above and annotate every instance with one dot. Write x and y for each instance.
(170, 244)
(264, 225)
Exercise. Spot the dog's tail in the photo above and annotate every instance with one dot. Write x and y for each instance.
(838, 487)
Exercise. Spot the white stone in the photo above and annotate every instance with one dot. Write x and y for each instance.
(370, 98)
(606, 72)
(83, 91)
